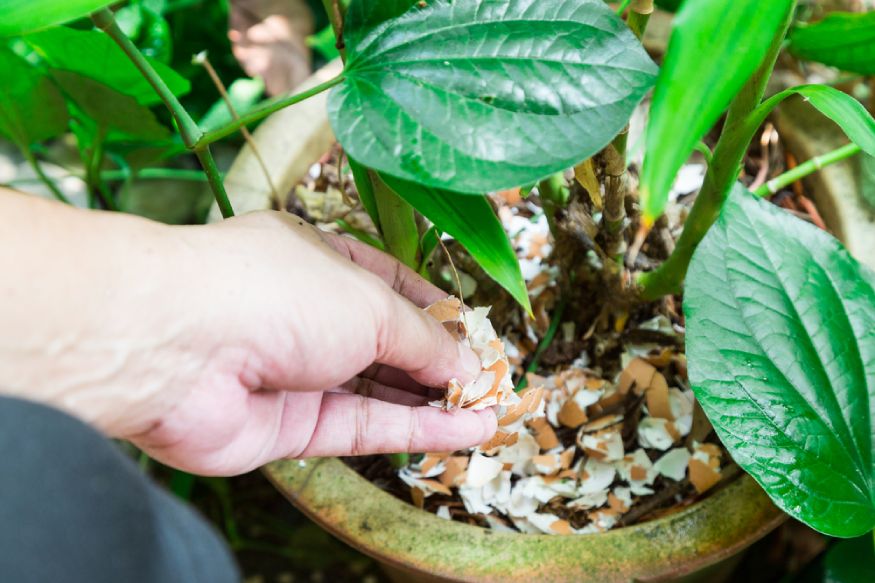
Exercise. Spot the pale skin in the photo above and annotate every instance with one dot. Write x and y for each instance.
(219, 348)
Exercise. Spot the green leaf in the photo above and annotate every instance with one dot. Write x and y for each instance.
(715, 47)
(474, 96)
(93, 54)
(848, 113)
(24, 16)
(669, 5)
(110, 109)
(851, 561)
(781, 348)
(844, 40)
(31, 107)
(365, 190)
(324, 43)
(472, 222)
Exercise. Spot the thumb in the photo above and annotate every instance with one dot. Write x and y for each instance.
(411, 340)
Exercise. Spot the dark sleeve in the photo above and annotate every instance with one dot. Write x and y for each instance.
(75, 508)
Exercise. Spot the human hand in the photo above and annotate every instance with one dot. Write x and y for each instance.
(219, 348)
(297, 320)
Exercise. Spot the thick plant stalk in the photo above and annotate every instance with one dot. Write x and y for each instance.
(614, 214)
(721, 174)
(639, 16)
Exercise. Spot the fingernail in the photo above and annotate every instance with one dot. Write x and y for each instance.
(470, 361)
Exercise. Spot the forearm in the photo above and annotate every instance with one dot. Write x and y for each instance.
(71, 279)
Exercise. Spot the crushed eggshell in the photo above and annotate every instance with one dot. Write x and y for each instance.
(493, 386)
(561, 443)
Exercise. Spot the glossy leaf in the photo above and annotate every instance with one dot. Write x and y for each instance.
(476, 96)
(31, 107)
(715, 47)
(24, 16)
(110, 109)
(844, 40)
(781, 349)
(473, 223)
(93, 54)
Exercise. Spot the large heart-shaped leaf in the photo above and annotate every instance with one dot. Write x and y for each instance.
(24, 16)
(715, 47)
(844, 40)
(93, 54)
(473, 223)
(475, 96)
(31, 107)
(781, 348)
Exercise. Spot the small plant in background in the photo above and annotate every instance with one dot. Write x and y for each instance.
(442, 101)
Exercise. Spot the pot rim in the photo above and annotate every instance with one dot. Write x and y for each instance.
(397, 533)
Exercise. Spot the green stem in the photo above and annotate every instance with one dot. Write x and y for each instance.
(188, 129)
(263, 111)
(738, 130)
(807, 168)
(399, 460)
(554, 195)
(623, 6)
(214, 177)
(639, 16)
(144, 174)
(156, 174)
(50, 184)
(637, 23)
(545, 343)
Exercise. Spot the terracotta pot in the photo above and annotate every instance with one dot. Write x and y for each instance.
(700, 543)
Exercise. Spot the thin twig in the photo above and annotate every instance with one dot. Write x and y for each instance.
(458, 283)
(203, 60)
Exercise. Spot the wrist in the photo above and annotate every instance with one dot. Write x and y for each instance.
(87, 324)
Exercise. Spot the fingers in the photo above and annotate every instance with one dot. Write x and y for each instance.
(412, 341)
(400, 277)
(356, 425)
(374, 390)
(392, 377)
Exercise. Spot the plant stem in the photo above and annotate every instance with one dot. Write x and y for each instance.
(399, 460)
(144, 174)
(807, 168)
(50, 184)
(545, 342)
(734, 140)
(214, 177)
(188, 129)
(263, 111)
(554, 195)
(639, 16)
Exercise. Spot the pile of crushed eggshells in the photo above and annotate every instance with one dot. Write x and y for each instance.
(565, 459)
